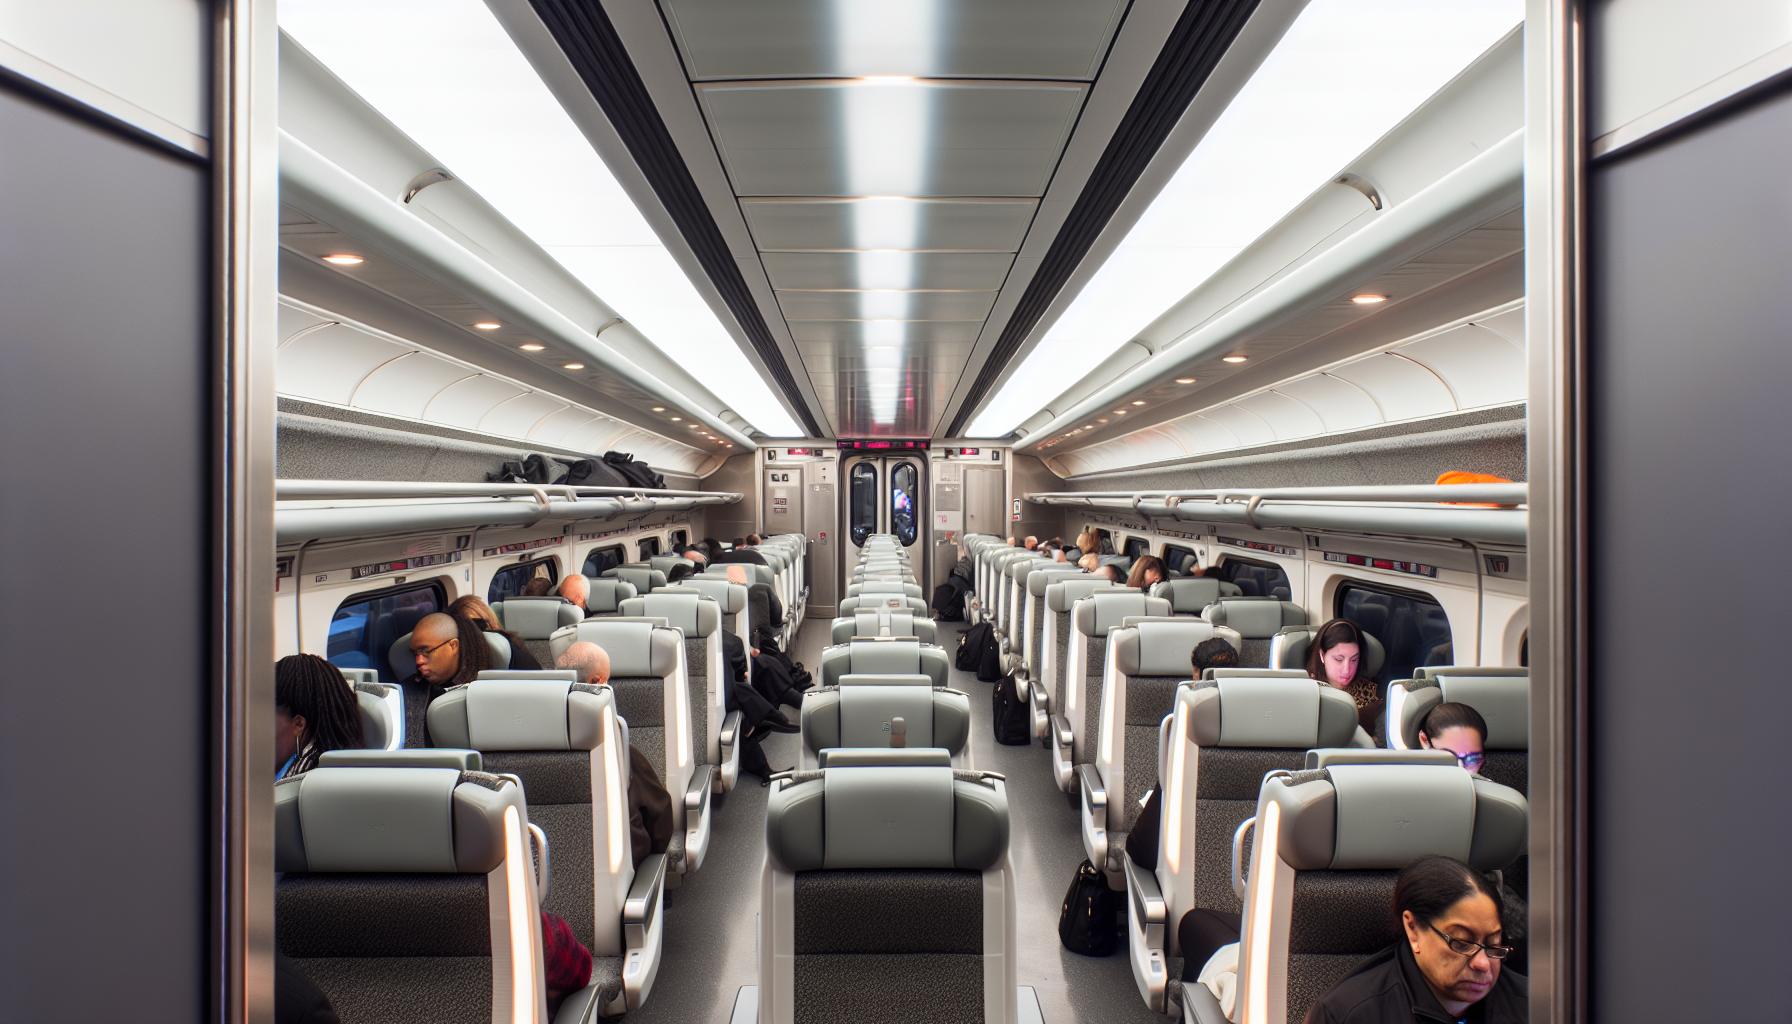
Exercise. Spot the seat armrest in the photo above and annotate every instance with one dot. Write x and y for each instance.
(642, 904)
(1094, 815)
(582, 1007)
(728, 738)
(696, 816)
(696, 793)
(543, 877)
(1095, 794)
(730, 729)
(1198, 1005)
(1145, 919)
(1061, 732)
(1148, 906)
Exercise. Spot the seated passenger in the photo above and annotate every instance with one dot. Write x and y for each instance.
(1446, 964)
(314, 711)
(740, 542)
(1213, 653)
(1141, 843)
(679, 572)
(1147, 570)
(697, 556)
(649, 804)
(1458, 729)
(754, 538)
(470, 606)
(1336, 660)
(1111, 572)
(1088, 561)
(448, 650)
(1088, 542)
(1032, 543)
(576, 588)
(764, 633)
(565, 962)
(538, 586)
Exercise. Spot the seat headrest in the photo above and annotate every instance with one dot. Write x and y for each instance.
(918, 605)
(887, 816)
(885, 679)
(381, 715)
(520, 714)
(1190, 595)
(1278, 714)
(1254, 673)
(1164, 647)
(643, 578)
(882, 587)
(461, 760)
(664, 563)
(1255, 619)
(692, 613)
(438, 820)
(1504, 703)
(536, 618)
(1383, 816)
(606, 594)
(1325, 757)
(1018, 568)
(404, 666)
(637, 648)
(875, 621)
(1290, 645)
(884, 757)
(731, 598)
(1041, 578)
(1103, 611)
(1061, 595)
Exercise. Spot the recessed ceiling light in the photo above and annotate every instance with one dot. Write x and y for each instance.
(1098, 421)
(659, 408)
(1119, 412)
(343, 259)
(575, 366)
(1233, 359)
(1139, 402)
(675, 419)
(1368, 300)
(532, 347)
(488, 326)
(1185, 380)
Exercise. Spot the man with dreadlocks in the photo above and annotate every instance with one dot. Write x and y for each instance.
(448, 650)
(315, 711)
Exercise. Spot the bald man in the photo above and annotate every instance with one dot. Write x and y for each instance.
(577, 589)
(649, 805)
(446, 650)
(590, 661)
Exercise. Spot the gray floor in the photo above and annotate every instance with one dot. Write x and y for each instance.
(710, 954)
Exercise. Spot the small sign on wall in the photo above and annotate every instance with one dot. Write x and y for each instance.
(1015, 515)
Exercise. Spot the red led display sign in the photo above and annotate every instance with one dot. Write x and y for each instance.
(908, 445)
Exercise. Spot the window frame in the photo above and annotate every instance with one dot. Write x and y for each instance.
(621, 558)
(1227, 558)
(1144, 544)
(554, 574)
(641, 547)
(1194, 558)
(380, 665)
(1375, 586)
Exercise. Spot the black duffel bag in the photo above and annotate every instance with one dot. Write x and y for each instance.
(1086, 925)
(595, 473)
(1013, 719)
(639, 474)
(970, 647)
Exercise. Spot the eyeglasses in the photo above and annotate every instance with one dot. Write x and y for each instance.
(417, 654)
(1469, 761)
(1468, 948)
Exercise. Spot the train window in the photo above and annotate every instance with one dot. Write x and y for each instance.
(1411, 625)
(905, 481)
(1105, 540)
(1136, 548)
(604, 558)
(510, 581)
(366, 625)
(1180, 560)
(1256, 579)
(679, 537)
(862, 503)
(650, 546)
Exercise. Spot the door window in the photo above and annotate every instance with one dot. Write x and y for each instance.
(905, 482)
(862, 503)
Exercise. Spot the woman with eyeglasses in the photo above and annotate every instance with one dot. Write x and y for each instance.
(1458, 729)
(1453, 929)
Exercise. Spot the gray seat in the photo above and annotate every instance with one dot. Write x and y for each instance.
(886, 712)
(1019, 602)
(1073, 723)
(606, 594)
(1213, 750)
(1032, 653)
(887, 889)
(1147, 659)
(1503, 701)
(644, 578)
(565, 742)
(883, 656)
(395, 882)
(1289, 647)
(664, 563)
(884, 622)
(415, 697)
(534, 619)
(1045, 691)
(654, 696)
(735, 604)
(917, 605)
(706, 672)
(1191, 595)
(1257, 622)
(1010, 586)
(381, 706)
(1334, 843)
(994, 579)
(883, 587)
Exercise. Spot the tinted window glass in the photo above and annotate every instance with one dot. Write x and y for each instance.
(904, 483)
(366, 625)
(679, 537)
(1136, 547)
(1256, 579)
(650, 546)
(511, 580)
(1412, 626)
(862, 503)
(1106, 541)
(1180, 560)
(603, 558)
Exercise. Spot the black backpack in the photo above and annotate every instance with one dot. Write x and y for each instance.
(989, 664)
(539, 469)
(1086, 924)
(1013, 718)
(639, 474)
(594, 473)
(947, 605)
(970, 647)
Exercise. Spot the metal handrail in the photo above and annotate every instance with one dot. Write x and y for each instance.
(1482, 494)
(298, 490)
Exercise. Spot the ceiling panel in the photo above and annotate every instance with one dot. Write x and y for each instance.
(1402, 388)
(1248, 427)
(327, 362)
(915, 335)
(405, 387)
(978, 225)
(1481, 366)
(518, 416)
(800, 271)
(1340, 404)
(981, 38)
(886, 305)
(979, 138)
(1286, 416)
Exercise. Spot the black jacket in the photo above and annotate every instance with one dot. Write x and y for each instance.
(1387, 988)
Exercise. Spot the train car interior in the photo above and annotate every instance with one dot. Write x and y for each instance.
(874, 511)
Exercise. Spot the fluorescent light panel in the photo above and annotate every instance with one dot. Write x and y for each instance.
(446, 73)
(1345, 74)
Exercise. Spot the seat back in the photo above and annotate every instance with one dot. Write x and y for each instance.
(1503, 701)
(1190, 595)
(534, 619)
(1055, 639)
(730, 598)
(883, 656)
(1010, 585)
(879, 872)
(382, 715)
(564, 740)
(399, 887)
(1257, 622)
(885, 712)
(883, 622)
(1327, 846)
(883, 587)
(606, 595)
(1289, 647)
(918, 605)
(700, 621)
(1032, 651)
(644, 578)
(1091, 620)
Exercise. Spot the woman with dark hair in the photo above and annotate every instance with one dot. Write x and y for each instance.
(470, 606)
(1336, 659)
(679, 572)
(1453, 929)
(1458, 729)
(314, 711)
(1149, 569)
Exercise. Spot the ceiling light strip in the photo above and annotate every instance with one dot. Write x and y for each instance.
(596, 52)
(1201, 37)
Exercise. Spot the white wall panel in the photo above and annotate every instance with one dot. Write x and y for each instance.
(406, 387)
(325, 364)
(465, 402)
(1340, 404)
(1480, 366)
(1248, 426)
(555, 428)
(1402, 388)
(1286, 416)
(1510, 324)
(1200, 434)
(518, 416)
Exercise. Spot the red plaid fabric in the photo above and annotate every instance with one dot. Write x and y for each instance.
(566, 960)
